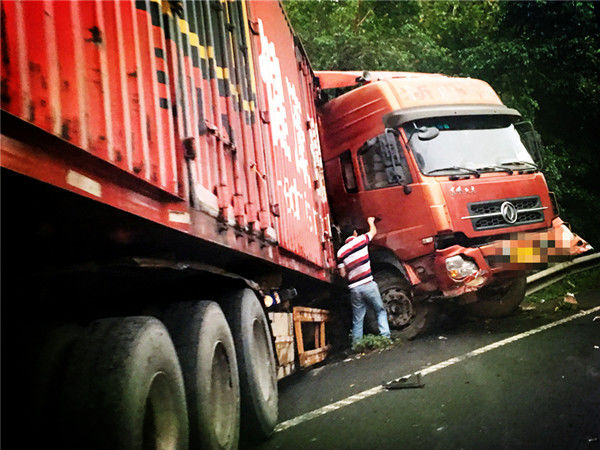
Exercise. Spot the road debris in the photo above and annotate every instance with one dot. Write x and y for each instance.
(406, 382)
(568, 303)
(442, 338)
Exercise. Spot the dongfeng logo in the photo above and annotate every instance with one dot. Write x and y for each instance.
(509, 212)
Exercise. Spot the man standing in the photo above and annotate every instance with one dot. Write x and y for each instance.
(354, 264)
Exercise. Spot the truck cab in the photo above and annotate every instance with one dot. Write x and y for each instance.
(440, 161)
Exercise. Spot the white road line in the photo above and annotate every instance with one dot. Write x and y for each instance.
(425, 371)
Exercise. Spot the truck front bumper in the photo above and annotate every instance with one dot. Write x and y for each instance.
(507, 258)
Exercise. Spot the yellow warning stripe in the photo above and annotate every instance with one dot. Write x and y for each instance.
(222, 73)
(250, 57)
(205, 52)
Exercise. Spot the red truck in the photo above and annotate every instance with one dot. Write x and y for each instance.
(464, 209)
(163, 184)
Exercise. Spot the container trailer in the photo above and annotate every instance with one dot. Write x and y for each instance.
(161, 179)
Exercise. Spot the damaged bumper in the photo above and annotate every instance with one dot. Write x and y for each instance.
(460, 270)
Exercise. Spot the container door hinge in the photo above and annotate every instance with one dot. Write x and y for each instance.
(255, 170)
(230, 145)
(275, 210)
(211, 127)
(253, 27)
(265, 116)
(189, 150)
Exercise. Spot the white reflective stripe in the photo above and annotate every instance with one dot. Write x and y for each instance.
(84, 183)
(179, 217)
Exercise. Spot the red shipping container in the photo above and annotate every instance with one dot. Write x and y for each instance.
(200, 118)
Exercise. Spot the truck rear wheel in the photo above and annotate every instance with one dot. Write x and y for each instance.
(207, 355)
(256, 364)
(124, 389)
(499, 301)
(49, 376)
(411, 317)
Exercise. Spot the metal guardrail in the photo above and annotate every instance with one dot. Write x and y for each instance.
(546, 277)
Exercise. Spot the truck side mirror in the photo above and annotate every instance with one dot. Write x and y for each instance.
(390, 151)
(532, 141)
(384, 163)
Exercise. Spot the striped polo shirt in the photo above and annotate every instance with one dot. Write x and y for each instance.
(354, 255)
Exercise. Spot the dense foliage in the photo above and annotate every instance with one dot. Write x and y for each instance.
(543, 58)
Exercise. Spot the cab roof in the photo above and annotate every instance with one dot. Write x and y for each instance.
(350, 119)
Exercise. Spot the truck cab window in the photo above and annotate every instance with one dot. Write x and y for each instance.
(348, 172)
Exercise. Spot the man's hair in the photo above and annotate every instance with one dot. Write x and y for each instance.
(347, 230)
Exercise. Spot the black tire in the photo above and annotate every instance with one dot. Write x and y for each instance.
(207, 355)
(412, 318)
(256, 364)
(499, 301)
(124, 388)
(49, 375)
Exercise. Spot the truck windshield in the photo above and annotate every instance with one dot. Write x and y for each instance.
(466, 143)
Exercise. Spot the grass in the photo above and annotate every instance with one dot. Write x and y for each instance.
(575, 282)
(370, 342)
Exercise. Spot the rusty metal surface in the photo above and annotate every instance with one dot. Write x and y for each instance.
(210, 103)
(305, 314)
(321, 349)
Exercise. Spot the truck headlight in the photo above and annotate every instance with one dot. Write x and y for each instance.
(459, 268)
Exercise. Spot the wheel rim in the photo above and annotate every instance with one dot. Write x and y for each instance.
(260, 354)
(222, 396)
(399, 307)
(161, 428)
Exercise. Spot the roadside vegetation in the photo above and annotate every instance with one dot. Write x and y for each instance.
(542, 57)
(573, 283)
(372, 342)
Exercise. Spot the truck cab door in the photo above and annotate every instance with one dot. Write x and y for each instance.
(389, 192)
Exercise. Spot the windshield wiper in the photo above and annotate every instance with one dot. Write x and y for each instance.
(529, 165)
(495, 169)
(466, 169)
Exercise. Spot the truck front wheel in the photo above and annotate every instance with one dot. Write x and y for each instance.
(499, 300)
(412, 317)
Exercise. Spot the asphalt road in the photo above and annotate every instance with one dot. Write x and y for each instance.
(528, 381)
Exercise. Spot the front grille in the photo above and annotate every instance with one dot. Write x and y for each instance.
(494, 219)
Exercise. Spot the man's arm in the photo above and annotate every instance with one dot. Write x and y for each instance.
(372, 228)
